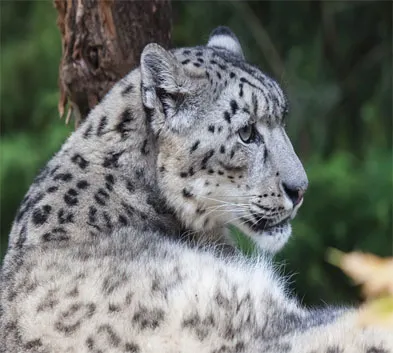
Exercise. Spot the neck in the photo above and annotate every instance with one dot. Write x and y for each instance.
(118, 133)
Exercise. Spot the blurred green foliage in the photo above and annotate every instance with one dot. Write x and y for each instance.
(332, 58)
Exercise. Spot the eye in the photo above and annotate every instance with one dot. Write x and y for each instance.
(247, 133)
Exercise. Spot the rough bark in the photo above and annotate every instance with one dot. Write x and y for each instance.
(102, 41)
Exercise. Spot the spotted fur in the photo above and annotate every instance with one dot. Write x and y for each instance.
(121, 245)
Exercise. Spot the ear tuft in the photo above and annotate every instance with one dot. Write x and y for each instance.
(223, 38)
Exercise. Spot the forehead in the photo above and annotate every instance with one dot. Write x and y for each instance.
(256, 92)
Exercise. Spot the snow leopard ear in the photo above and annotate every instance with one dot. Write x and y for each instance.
(161, 74)
(223, 38)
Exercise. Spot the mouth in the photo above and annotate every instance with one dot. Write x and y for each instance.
(262, 226)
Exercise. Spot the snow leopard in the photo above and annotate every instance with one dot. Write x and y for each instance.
(122, 243)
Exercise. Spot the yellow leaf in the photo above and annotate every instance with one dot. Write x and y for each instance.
(378, 312)
(375, 274)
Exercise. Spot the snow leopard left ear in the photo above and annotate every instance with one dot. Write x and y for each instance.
(161, 75)
(223, 38)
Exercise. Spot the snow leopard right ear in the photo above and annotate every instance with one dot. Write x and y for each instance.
(161, 75)
(223, 38)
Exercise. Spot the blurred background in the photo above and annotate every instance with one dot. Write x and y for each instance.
(334, 59)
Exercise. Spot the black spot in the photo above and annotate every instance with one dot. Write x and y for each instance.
(112, 160)
(113, 339)
(194, 146)
(232, 153)
(58, 234)
(148, 318)
(227, 117)
(132, 348)
(139, 173)
(128, 208)
(186, 52)
(80, 161)
(126, 118)
(110, 180)
(334, 349)
(200, 211)
(65, 217)
(200, 60)
(199, 53)
(27, 203)
(183, 175)
(220, 129)
(92, 214)
(241, 90)
(52, 189)
(265, 153)
(127, 90)
(101, 126)
(232, 75)
(54, 170)
(108, 221)
(220, 172)
(90, 343)
(222, 149)
(162, 169)
(376, 350)
(196, 64)
(186, 193)
(234, 106)
(144, 149)
(88, 131)
(123, 220)
(73, 192)
(206, 158)
(210, 171)
(130, 187)
(112, 308)
(191, 171)
(70, 320)
(70, 197)
(33, 344)
(41, 176)
(211, 128)
(101, 196)
(218, 75)
(40, 215)
(82, 184)
(63, 177)
(185, 62)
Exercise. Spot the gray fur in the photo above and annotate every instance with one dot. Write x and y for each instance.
(121, 245)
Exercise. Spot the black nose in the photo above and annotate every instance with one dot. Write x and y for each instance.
(294, 193)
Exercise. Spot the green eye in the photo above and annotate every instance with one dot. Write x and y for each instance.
(247, 133)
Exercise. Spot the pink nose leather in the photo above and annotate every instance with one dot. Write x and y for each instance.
(299, 198)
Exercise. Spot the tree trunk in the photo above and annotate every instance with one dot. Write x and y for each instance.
(102, 41)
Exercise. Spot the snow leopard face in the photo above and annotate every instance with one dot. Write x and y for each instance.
(223, 154)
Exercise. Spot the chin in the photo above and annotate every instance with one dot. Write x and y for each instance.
(270, 240)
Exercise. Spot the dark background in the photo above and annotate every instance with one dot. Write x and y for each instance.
(334, 59)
